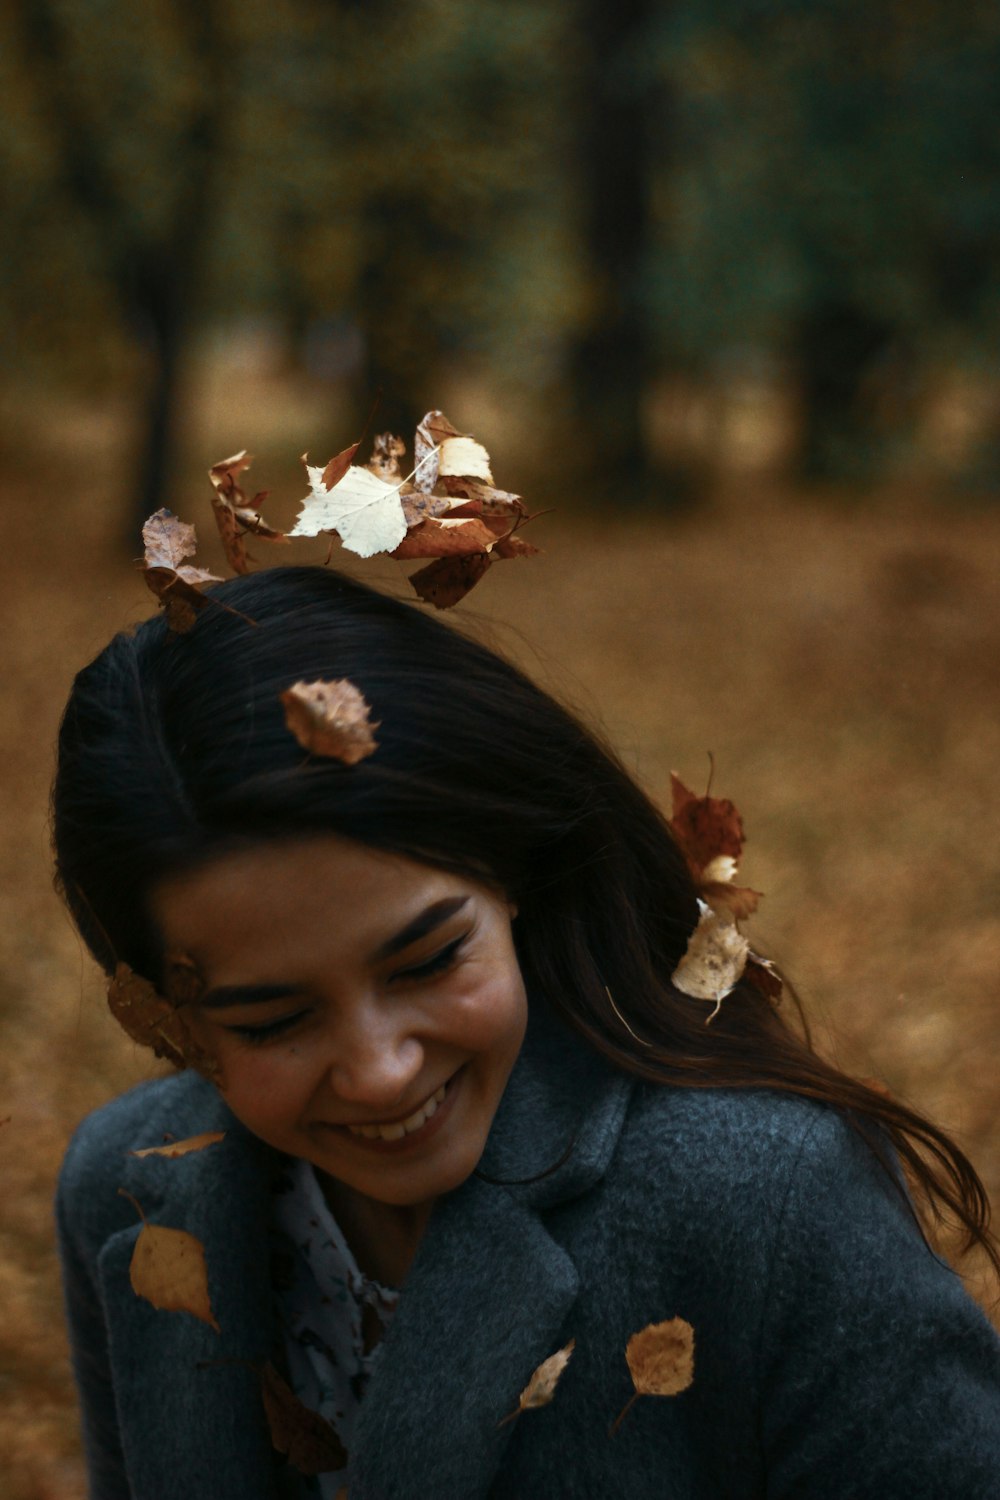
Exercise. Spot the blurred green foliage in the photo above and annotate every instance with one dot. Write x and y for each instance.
(583, 200)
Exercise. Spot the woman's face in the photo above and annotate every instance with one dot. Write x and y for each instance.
(365, 1010)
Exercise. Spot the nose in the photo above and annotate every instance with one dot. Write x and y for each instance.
(374, 1062)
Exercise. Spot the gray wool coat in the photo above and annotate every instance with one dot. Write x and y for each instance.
(835, 1357)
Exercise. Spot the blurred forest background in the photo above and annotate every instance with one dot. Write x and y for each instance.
(715, 281)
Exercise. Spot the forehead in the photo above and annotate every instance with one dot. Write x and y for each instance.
(280, 896)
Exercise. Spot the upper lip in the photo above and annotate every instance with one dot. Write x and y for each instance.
(406, 1113)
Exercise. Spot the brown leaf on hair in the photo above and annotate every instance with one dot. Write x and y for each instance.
(446, 581)
(177, 585)
(330, 718)
(708, 829)
(168, 1269)
(173, 1149)
(542, 1385)
(146, 1016)
(715, 958)
(660, 1360)
(308, 1439)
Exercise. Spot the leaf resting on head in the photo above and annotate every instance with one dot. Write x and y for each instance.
(330, 718)
(542, 1385)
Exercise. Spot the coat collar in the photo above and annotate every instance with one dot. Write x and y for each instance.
(483, 1304)
(490, 1289)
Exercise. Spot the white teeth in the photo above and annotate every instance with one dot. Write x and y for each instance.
(399, 1128)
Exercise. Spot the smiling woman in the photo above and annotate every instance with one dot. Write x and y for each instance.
(473, 1122)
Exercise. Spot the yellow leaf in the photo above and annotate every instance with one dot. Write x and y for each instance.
(182, 1148)
(168, 1269)
(660, 1359)
(542, 1385)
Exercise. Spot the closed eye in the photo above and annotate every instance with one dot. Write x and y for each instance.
(268, 1030)
(437, 964)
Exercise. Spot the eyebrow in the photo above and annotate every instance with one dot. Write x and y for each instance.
(422, 925)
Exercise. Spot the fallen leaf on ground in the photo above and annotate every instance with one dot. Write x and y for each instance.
(660, 1359)
(168, 1269)
(364, 511)
(330, 718)
(183, 1148)
(542, 1385)
(715, 958)
(306, 1438)
(176, 584)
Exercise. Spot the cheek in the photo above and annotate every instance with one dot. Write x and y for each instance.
(490, 1014)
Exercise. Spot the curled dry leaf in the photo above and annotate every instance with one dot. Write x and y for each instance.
(464, 458)
(168, 1269)
(307, 1439)
(716, 956)
(432, 430)
(387, 450)
(338, 465)
(233, 516)
(330, 718)
(168, 541)
(660, 1359)
(364, 511)
(174, 1149)
(542, 1385)
(763, 975)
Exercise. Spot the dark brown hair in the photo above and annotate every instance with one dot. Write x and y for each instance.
(174, 748)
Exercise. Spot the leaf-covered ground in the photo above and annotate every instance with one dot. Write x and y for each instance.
(840, 658)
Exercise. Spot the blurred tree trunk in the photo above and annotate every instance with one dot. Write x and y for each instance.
(836, 347)
(612, 360)
(155, 279)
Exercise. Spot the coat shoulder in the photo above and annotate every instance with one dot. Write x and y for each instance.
(94, 1166)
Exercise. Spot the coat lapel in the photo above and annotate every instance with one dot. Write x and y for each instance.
(490, 1290)
(189, 1402)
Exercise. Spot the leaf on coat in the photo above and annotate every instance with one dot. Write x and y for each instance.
(715, 958)
(182, 1148)
(168, 1269)
(177, 585)
(330, 718)
(660, 1359)
(306, 1438)
(233, 516)
(542, 1385)
(364, 511)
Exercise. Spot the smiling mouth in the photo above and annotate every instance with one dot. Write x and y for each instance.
(398, 1128)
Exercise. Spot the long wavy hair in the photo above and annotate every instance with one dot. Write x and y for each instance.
(173, 749)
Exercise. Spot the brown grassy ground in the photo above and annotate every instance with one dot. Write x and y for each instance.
(840, 660)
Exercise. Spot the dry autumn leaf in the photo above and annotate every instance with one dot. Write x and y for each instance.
(433, 429)
(716, 956)
(464, 458)
(387, 450)
(445, 538)
(447, 580)
(174, 1149)
(710, 833)
(146, 1016)
(306, 1438)
(168, 1269)
(233, 516)
(542, 1385)
(364, 511)
(168, 541)
(660, 1359)
(330, 718)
